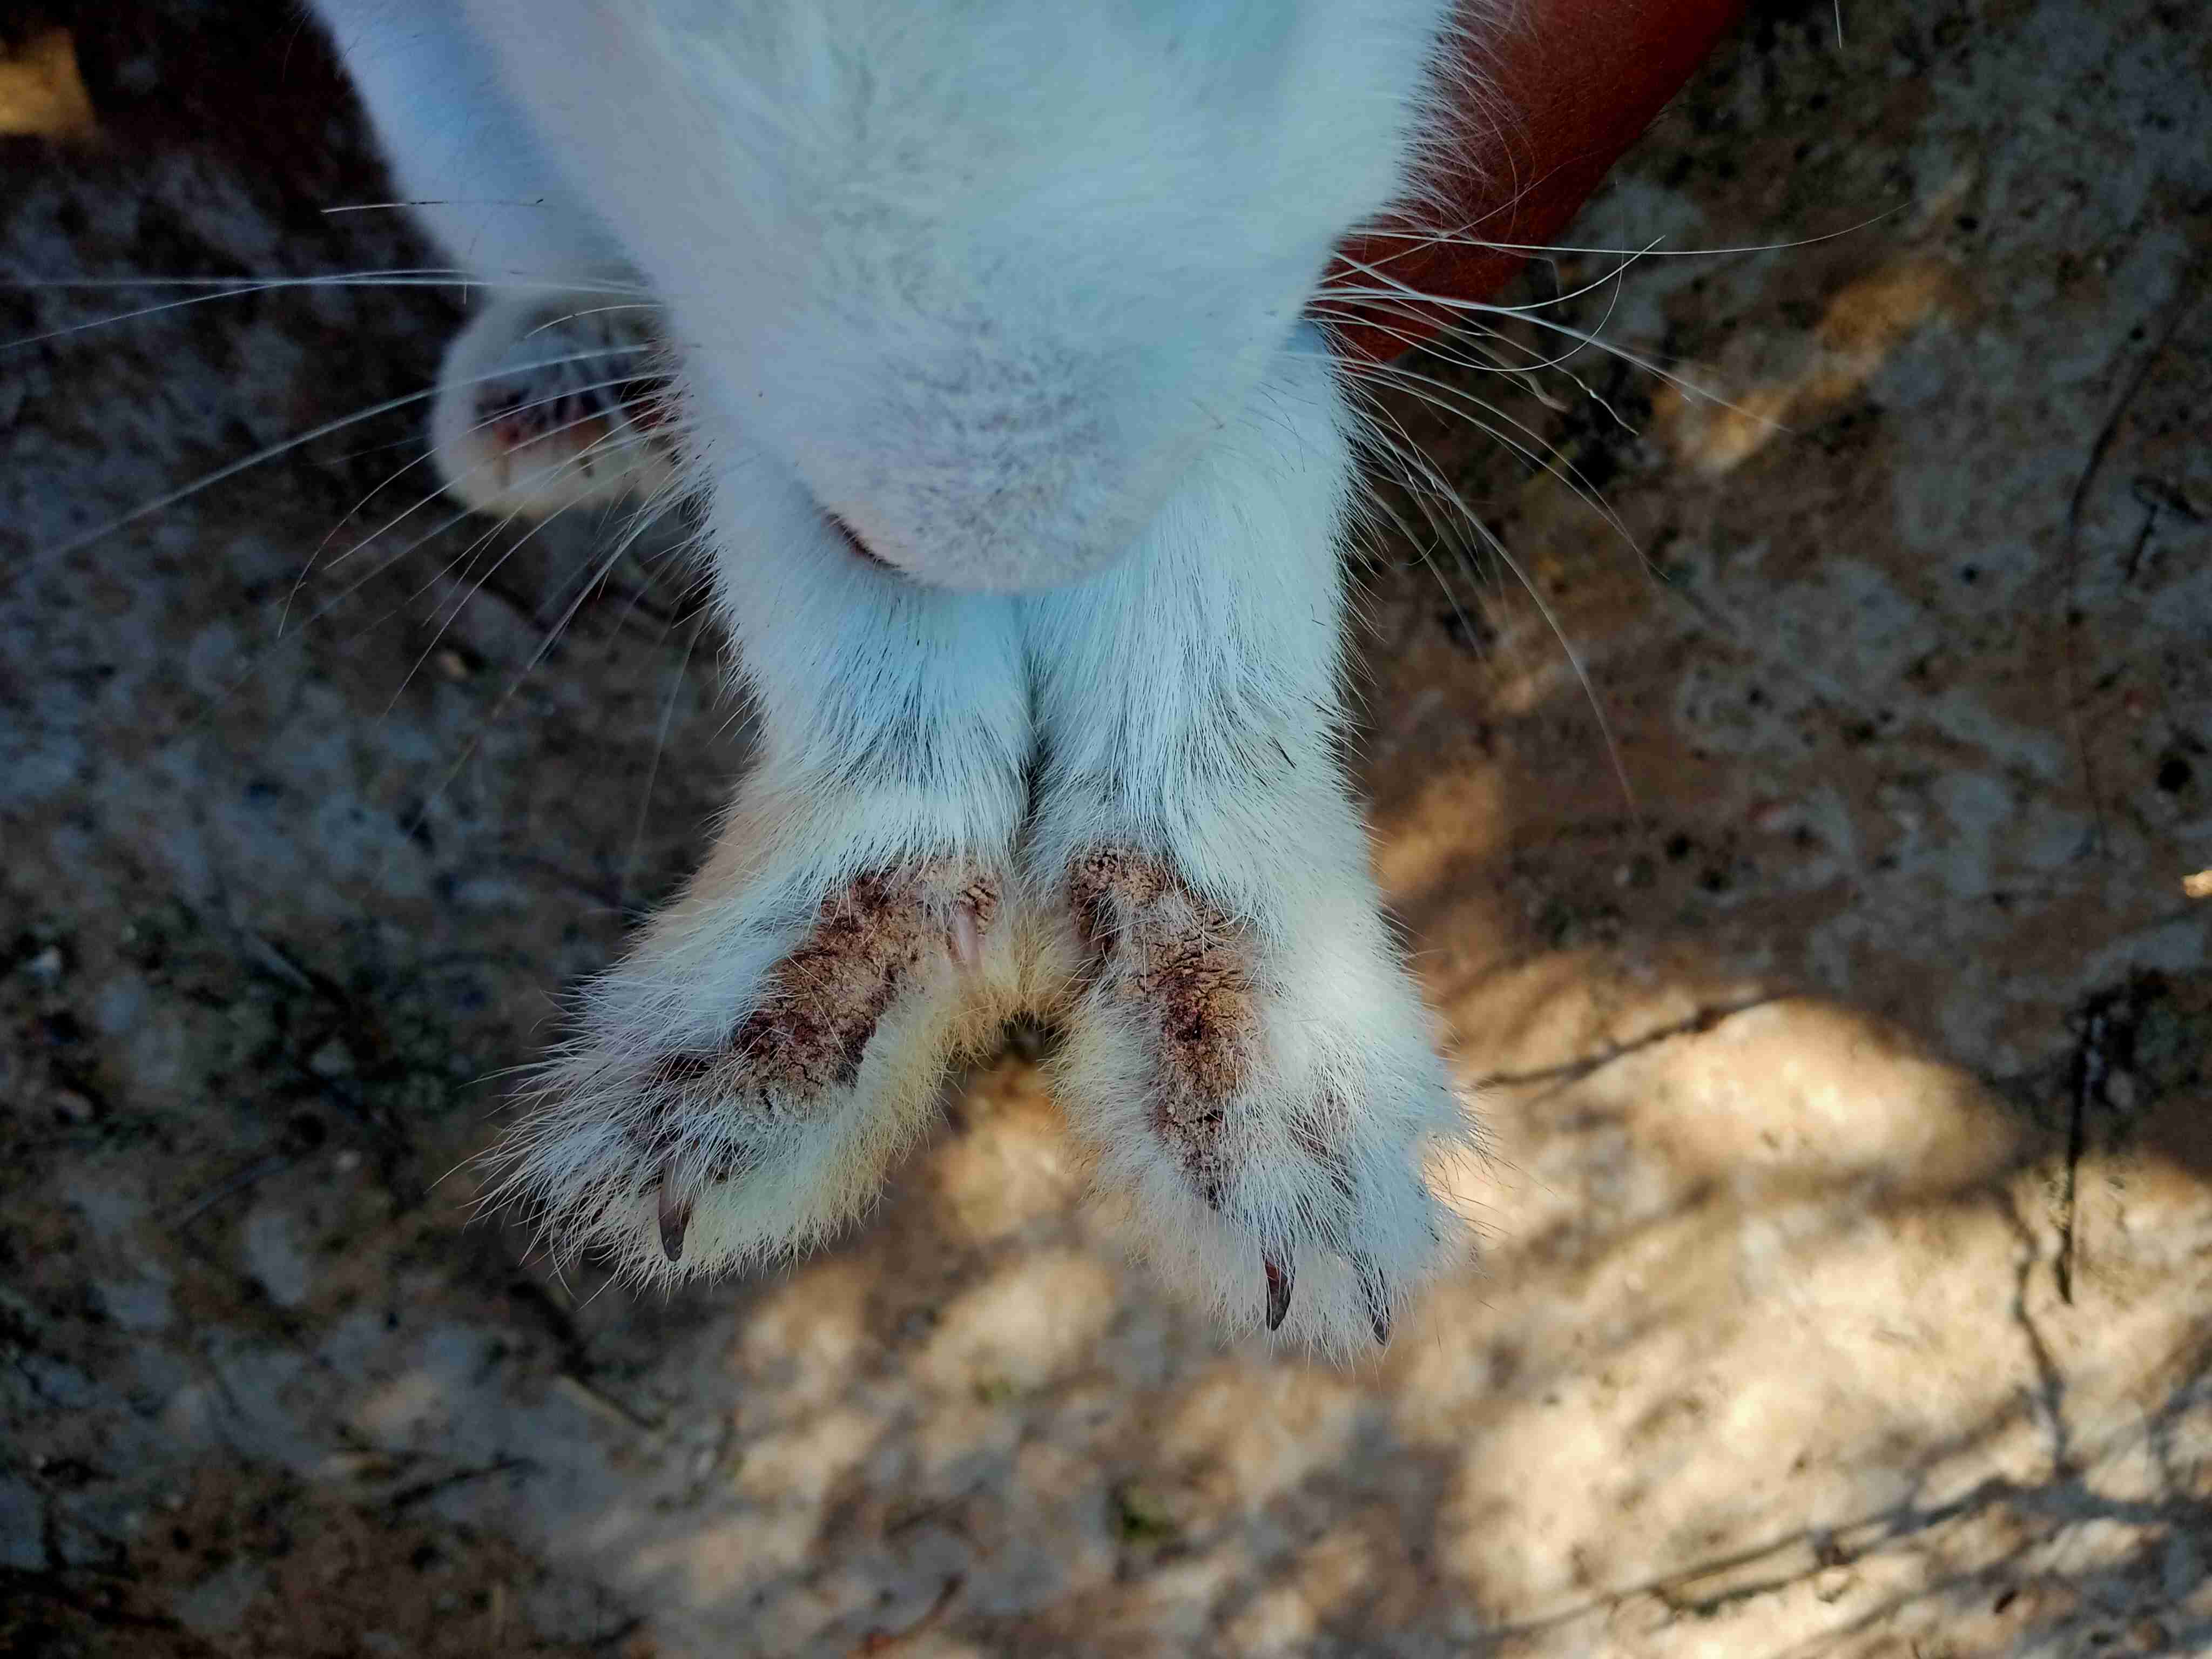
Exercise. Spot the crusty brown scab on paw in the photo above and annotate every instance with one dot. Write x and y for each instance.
(979, 898)
(1107, 886)
(1161, 949)
(821, 1003)
(818, 1010)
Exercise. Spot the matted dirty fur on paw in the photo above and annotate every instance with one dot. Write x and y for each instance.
(1266, 1109)
(676, 1155)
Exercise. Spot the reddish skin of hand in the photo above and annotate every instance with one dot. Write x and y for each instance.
(1571, 85)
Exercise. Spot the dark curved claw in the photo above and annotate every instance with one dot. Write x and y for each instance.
(1378, 1298)
(674, 1219)
(1280, 1282)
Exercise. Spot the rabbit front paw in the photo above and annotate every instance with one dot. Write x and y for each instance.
(672, 1146)
(1262, 1098)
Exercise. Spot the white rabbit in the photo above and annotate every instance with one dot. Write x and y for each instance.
(977, 326)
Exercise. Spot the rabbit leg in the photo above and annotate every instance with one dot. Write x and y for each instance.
(1246, 1052)
(739, 1082)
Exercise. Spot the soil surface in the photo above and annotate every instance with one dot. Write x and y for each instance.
(1825, 949)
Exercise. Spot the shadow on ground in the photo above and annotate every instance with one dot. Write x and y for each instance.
(1846, 1215)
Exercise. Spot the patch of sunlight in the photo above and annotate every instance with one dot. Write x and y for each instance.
(1264, 1427)
(1863, 325)
(1772, 1316)
(1023, 1327)
(1800, 1090)
(814, 1326)
(42, 94)
(1012, 1167)
(1328, 1576)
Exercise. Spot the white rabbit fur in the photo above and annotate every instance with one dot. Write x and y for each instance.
(1014, 291)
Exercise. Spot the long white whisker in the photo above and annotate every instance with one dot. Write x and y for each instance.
(1417, 239)
(1385, 447)
(39, 561)
(1439, 395)
(1440, 348)
(1529, 371)
(590, 311)
(1459, 347)
(1402, 293)
(268, 653)
(433, 201)
(643, 516)
(1688, 387)
(394, 522)
(566, 616)
(652, 767)
(232, 288)
(399, 276)
(1497, 547)
(581, 459)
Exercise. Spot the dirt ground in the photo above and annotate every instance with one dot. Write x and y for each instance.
(1847, 1278)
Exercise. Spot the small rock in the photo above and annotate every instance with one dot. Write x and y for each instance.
(1772, 817)
(73, 1107)
(22, 1523)
(47, 967)
(332, 1059)
(274, 1257)
(220, 1603)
